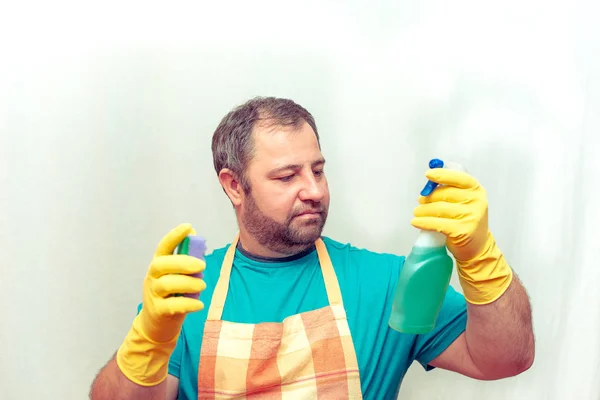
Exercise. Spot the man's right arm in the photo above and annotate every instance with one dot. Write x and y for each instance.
(140, 368)
(110, 383)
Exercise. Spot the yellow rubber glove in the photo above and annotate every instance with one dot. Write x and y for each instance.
(459, 210)
(144, 355)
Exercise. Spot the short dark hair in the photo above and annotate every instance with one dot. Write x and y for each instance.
(232, 143)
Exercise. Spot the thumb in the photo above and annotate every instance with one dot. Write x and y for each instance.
(168, 244)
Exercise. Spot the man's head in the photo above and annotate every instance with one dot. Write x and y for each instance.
(268, 158)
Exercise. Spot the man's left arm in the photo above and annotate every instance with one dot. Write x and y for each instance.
(498, 341)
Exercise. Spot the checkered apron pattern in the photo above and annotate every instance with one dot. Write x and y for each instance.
(307, 356)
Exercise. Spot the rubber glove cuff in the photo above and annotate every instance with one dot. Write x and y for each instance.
(485, 277)
(142, 360)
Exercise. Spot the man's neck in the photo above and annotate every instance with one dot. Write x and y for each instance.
(260, 259)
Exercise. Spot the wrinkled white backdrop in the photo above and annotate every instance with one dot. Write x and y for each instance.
(106, 118)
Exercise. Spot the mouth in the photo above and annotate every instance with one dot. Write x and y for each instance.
(309, 213)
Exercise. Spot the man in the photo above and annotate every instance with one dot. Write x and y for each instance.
(287, 313)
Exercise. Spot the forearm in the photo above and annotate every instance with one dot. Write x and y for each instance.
(499, 335)
(111, 384)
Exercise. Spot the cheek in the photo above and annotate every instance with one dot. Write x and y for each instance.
(277, 204)
(326, 192)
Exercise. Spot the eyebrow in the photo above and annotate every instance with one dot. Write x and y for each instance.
(278, 170)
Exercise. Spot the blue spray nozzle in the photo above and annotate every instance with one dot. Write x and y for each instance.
(430, 186)
(436, 163)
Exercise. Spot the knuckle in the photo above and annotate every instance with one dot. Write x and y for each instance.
(159, 309)
(156, 286)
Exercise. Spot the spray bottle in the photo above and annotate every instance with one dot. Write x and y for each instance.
(424, 279)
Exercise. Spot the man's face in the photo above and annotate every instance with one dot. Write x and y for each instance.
(287, 206)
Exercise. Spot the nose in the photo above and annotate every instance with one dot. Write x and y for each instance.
(313, 189)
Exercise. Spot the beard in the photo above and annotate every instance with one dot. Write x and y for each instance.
(293, 235)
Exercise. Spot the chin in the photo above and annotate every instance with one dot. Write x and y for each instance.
(308, 234)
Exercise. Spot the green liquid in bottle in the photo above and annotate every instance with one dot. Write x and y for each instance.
(422, 286)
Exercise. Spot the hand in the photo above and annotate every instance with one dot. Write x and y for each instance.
(144, 355)
(162, 313)
(459, 209)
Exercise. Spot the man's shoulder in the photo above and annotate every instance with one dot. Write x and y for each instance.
(217, 254)
(354, 249)
(214, 259)
(354, 253)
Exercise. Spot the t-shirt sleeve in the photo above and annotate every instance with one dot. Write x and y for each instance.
(175, 359)
(451, 322)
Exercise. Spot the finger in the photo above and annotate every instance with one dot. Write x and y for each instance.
(441, 225)
(441, 209)
(171, 284)
(447, 194)
(178, 306)
(168, 244)
(176, 264)
(450, 177)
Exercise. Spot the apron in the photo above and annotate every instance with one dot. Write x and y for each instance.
(307, 356)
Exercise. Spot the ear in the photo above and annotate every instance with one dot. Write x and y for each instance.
(231, 186)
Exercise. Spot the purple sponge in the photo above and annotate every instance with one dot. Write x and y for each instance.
(194, 246)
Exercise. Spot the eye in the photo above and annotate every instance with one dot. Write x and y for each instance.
(286, 178)
(318, 173)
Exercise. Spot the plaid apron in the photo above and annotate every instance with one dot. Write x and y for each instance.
(308, 356)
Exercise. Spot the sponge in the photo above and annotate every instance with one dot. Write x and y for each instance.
(194, 246)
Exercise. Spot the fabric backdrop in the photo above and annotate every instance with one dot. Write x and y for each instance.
(106, 117)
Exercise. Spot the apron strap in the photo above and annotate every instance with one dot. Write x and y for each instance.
(331, 282)
(215, 310)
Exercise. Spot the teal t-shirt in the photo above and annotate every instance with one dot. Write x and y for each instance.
(269, 291)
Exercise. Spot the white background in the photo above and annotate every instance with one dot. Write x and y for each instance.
(106, 117)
